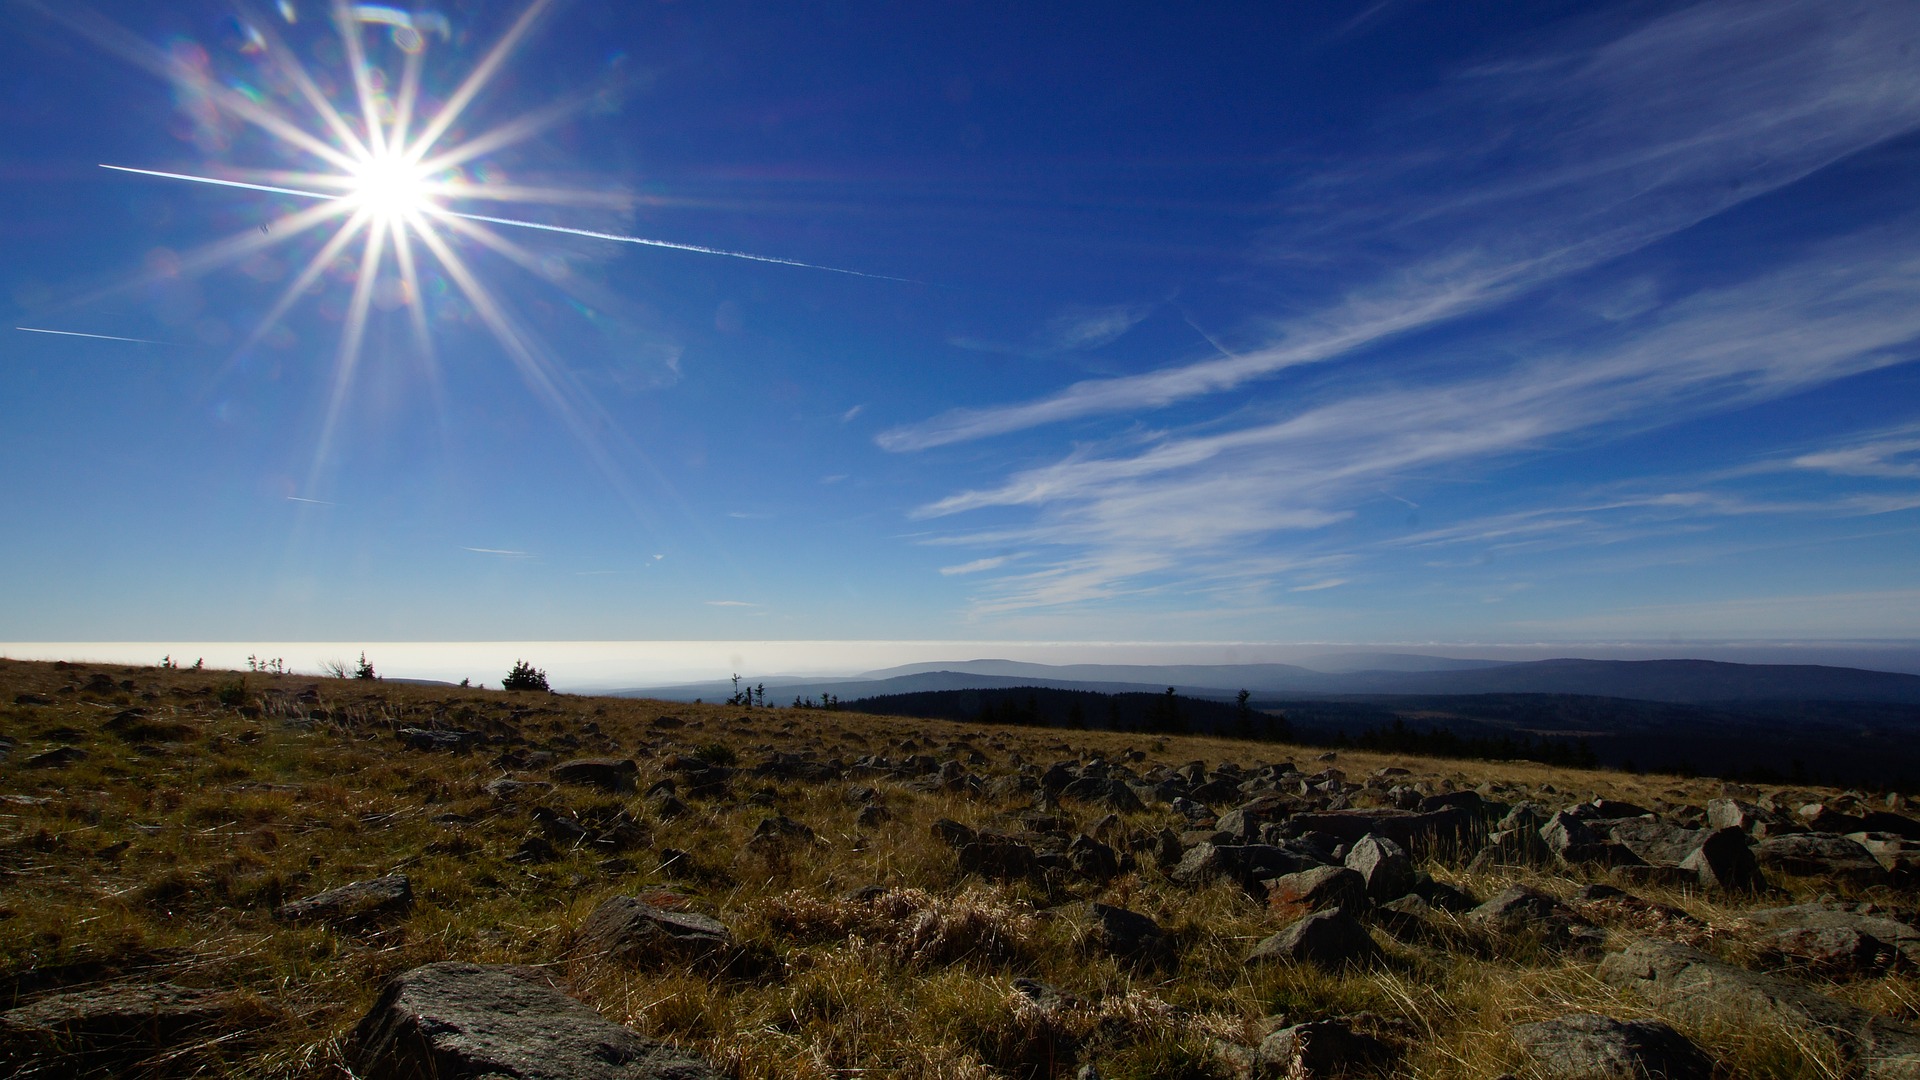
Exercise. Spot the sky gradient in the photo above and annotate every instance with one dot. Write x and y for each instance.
(1380, 322)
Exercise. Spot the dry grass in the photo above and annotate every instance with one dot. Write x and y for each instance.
(162, 854)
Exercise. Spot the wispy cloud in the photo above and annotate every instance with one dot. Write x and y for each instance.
(1599, 150)
(1330, 583)
(730, 603)
(1073, 330)
(310, 502)
(992, 562)
(503, 553)
(1119, 512)
(848, 416)
(1892, 455)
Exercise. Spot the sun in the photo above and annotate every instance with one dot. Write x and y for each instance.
(390, 186)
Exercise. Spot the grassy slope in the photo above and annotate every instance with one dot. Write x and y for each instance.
(162, 854)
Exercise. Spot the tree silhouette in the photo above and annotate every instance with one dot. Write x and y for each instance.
(525, 676)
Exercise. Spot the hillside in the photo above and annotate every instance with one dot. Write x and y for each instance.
(211, 873)
(1674, 681)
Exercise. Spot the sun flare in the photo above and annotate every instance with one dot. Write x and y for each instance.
(388, 185)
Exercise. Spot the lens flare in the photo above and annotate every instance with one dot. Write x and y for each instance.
(390, 178)
(389, 186)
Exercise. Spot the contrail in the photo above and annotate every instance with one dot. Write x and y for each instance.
(617, 238)
(225, 183)
(102, 337)
(620, 239)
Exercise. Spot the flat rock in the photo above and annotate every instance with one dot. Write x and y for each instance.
(1817, 855)
(454, 1021)
(1330, 939)
(1113, 794)
(358, 904)
(1657, 843)
(632, 931)
(1693, 986)
(1876, 929)
(607, 774)
(1587, 1046)
(106, 1027)
(1320, 887)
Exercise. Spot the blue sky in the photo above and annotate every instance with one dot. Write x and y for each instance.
(1377, 322)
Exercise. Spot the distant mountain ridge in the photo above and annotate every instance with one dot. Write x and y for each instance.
(1679, 681)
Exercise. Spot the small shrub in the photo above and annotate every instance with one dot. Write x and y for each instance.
(714, 753)
(233, 693)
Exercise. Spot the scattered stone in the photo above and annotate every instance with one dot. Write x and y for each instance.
(1692, 986)
(1587, 1046)
(1385, 866)
(448, 741)
(1113, 794)
(56, 758)
(607, 774)
(1092, 859)
(1330, 939)
(632, 931)
(1320, 887)
(1131, 936)
(507, 789)
(359, 904)
(1833, 858)
(1850, 935)
(1322, 1048)
(780, 831)
(953, 834)
(998, 859)
(1657, 843)
(107, 1027)
(1723, 861)
(454, 1021)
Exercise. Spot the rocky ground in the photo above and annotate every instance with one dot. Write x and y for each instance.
(206, 873)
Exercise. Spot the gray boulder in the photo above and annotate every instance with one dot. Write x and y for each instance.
(1104, 791)
(106, 1028)
(360, 904)
(1586, 1046)
(1385, 866)
(1320, 887)
(1330, 939)
(1657, 843)
(1723, 861)
(1852, 938)
(474, 1022)
(632, 931)
(1692, 986)
(1817, 855)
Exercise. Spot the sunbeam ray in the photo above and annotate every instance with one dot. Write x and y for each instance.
(307, 276)
(348, 357)
(357, 66)
(476, 81)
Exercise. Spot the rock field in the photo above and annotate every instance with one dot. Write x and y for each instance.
(306, 878)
